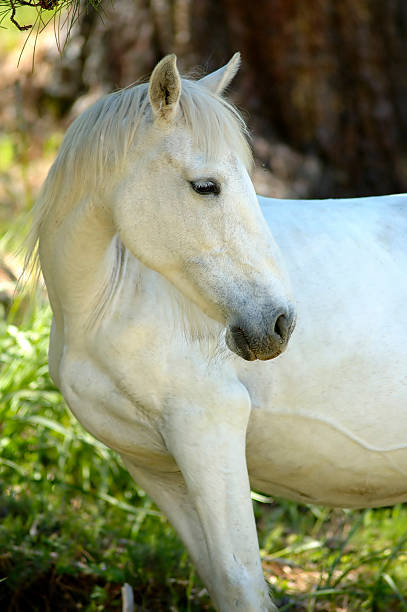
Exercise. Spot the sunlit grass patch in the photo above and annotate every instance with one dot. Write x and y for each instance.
(332, 559)
(7, 153)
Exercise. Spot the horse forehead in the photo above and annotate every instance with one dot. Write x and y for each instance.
(193, 161)
(178, 148)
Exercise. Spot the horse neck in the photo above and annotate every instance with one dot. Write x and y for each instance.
(90, 274)
(77, 254)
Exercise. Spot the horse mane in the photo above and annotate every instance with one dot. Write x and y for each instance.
(96, 144)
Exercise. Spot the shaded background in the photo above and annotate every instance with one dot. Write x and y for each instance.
(323, 86)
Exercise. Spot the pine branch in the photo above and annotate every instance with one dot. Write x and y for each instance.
(12, 5)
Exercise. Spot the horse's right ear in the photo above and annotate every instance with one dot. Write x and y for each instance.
(164, 89)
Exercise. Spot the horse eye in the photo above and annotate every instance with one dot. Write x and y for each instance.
(206, 187)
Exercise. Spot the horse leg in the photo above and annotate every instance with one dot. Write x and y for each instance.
(168, 491)
(210, 453)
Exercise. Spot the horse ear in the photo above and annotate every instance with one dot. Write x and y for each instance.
(164, 89)
(218, 81)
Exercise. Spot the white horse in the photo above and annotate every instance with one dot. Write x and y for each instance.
(169, 296)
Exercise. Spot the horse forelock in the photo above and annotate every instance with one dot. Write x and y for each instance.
(214, 123)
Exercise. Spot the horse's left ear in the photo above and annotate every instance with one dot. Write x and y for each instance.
(218, 81)
(164, 89)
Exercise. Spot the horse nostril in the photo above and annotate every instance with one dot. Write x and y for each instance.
(281, 327)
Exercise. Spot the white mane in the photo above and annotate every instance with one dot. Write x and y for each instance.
(96, 144)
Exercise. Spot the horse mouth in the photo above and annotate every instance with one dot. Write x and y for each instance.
(237, 342)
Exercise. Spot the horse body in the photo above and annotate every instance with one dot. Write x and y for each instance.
(162, 300)
(329, 420)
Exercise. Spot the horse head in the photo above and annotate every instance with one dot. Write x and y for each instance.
(186, 207)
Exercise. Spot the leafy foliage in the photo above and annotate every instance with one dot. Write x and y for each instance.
(11, 9)
(35, 15)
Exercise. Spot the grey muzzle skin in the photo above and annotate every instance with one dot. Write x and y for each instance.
(264, 341)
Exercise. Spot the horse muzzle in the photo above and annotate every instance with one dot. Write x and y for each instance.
(265, 341)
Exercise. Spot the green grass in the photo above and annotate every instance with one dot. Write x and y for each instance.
(74, 527)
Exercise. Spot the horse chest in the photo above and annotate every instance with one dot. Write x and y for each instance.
(114, 409)
(121, 381)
